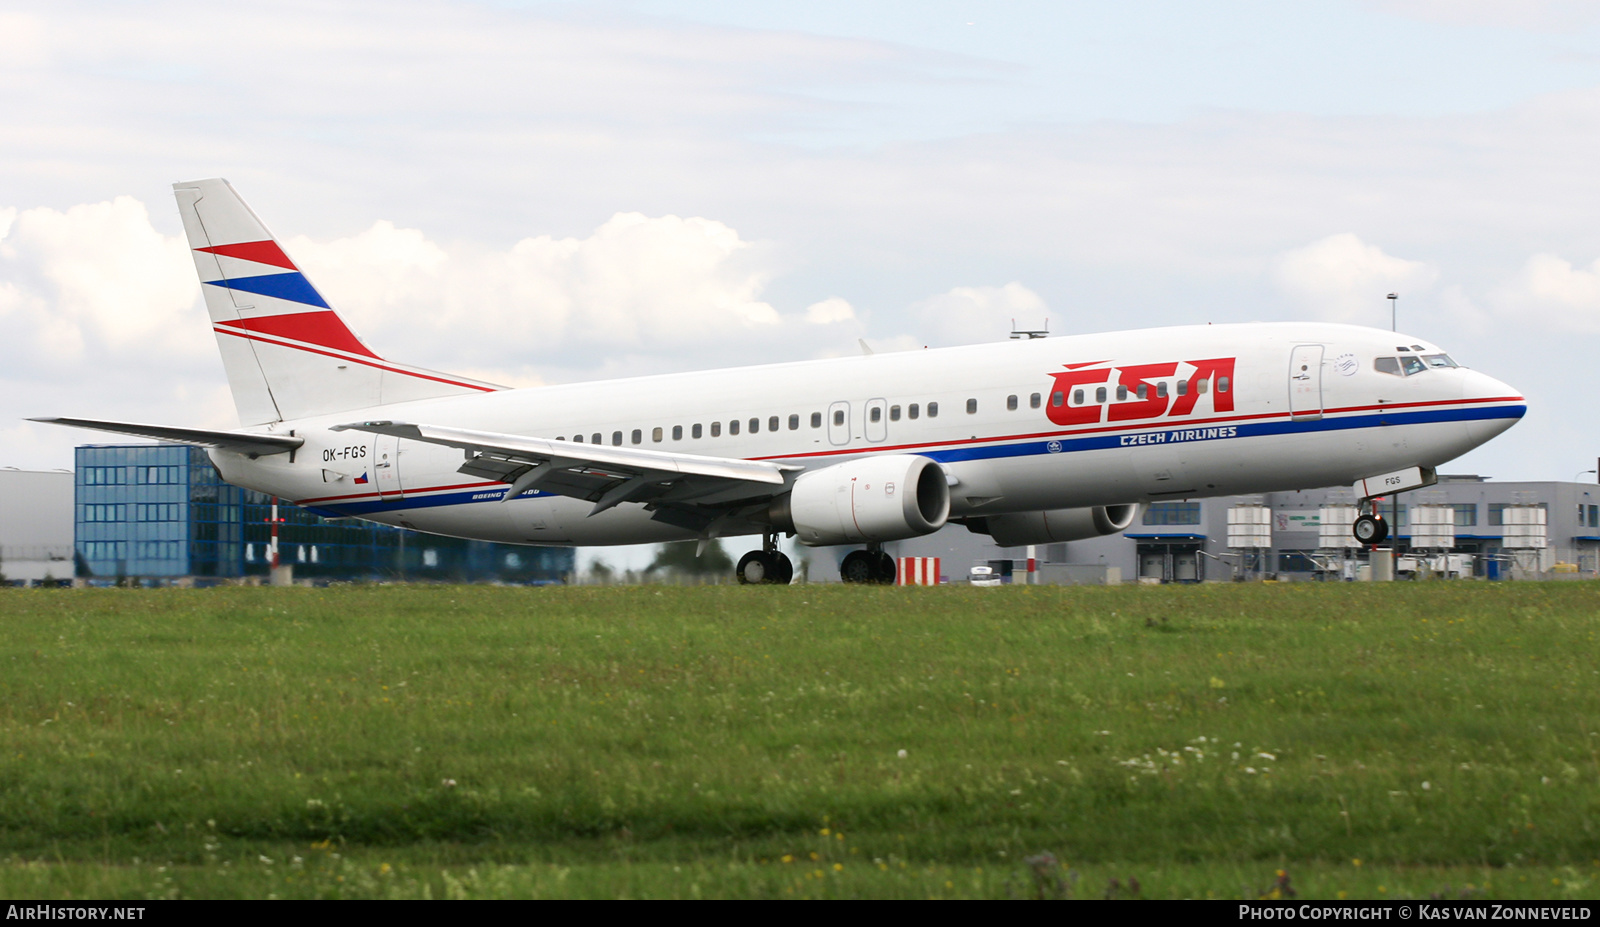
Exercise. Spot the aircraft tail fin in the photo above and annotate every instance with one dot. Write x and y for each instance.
(287, 352)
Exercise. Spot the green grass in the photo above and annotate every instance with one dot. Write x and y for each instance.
(1399, 740)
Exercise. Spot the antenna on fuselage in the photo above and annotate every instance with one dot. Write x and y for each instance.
(1019, 334)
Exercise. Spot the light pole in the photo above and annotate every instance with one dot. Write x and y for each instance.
(1581, 473)
(1394, 500)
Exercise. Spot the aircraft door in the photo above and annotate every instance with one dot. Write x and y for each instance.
(839, 423)
(1305, 383)
(386, 467)
(877, 424)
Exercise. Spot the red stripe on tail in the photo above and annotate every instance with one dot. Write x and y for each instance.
(324, 329)
(262, 252)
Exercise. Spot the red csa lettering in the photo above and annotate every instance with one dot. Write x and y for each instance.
(1066, 413)
(1207, 370)
(1134, 377)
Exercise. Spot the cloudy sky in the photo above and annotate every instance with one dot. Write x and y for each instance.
(549, 192)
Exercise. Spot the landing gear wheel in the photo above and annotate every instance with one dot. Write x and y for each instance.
(764, 567)
(1370, 529)
(782, 569)
(858, 566)
(886, 570)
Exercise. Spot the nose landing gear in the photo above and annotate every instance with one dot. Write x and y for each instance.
(767, 566)
(1370, 528)
(868, 566)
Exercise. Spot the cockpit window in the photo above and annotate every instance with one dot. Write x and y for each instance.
(1412, 365)
(1390, 365)
(1439, 360)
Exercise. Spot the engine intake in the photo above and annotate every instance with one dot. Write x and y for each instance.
(1019, 529)
(885, 498)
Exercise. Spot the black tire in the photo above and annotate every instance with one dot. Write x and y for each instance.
(782, 569)
(754, 568)
(858, 567)
(1370, 529)
(887, 569)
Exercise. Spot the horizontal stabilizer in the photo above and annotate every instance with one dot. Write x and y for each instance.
(256, 445)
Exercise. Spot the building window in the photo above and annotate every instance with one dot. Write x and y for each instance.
(1172, 513)
(1466, 514)
(1296, 561)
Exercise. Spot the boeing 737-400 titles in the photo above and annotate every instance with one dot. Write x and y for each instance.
(1030, 442)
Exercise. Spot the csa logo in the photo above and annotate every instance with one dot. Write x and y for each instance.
(1078, 397)
(1053, 447)
(1346, 364)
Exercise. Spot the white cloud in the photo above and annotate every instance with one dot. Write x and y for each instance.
(1343, 279)
(972, 314)
(1553, 294)
(1539, 15)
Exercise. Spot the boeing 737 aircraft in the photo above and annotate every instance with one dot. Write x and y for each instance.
(1030, 442)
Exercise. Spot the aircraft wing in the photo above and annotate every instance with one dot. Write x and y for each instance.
(256, 445)
(686, 490)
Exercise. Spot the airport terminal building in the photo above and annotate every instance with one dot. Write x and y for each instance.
(161, 513)
(1283, 536)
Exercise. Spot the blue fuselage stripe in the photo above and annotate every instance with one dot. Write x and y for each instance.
(1150, 436)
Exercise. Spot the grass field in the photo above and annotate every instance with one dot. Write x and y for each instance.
(1399, 740)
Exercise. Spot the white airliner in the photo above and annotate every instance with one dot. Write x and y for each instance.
(1031, 442)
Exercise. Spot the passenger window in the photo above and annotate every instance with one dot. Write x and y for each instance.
(838, 416)
(933, 410)
(876, 414)
(1389, 365)
(1122, 393)
(1222, 384)
(1201, 387)
(1077, 397)
(1057, 398)
(894, 413)
(1183, 387)
(695, 431)
(577, 439)
(914, 410)
(595, 438)
(816, 420)
(1033, 401)
(772, 424)
(1161, 390)
(1011, 403)
(637, 436)
(716, 429)
(677, 432)
(1143, 389)
(616, 438)
(755, 426)
(1100, 394)
(733, 427)
(972, 406)
(794, 423)
(655, 434)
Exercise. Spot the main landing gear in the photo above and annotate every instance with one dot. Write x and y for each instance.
(1370, 528)
(868, 566)
(767, 566)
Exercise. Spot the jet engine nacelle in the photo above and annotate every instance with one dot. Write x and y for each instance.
(885, 498)
(1019, 529)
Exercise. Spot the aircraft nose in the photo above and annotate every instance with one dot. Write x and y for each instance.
(1498, 405)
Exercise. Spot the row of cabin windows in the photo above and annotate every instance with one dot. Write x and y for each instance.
(774, 423)
(913, 411)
